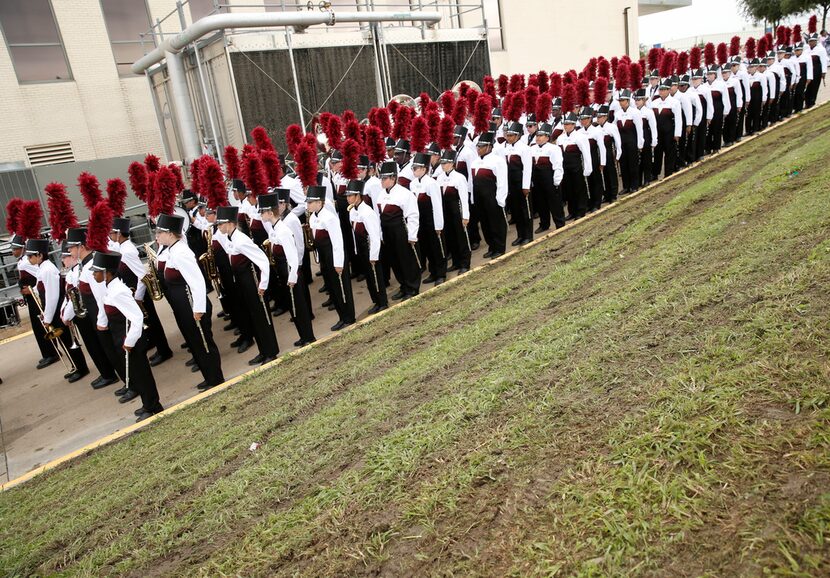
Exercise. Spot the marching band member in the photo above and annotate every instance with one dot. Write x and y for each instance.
(399, 216)
(430, 219)
(576, 166)
(629, 123)
(547, 178)
(519, 161)
(366, 230)
(27, 278)
(489, 173)
(244, 255)
(187, 294)
(456, 201)
(596, 142)
(328, 242)
(124, 319)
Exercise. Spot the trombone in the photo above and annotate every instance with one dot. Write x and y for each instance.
(53, 334)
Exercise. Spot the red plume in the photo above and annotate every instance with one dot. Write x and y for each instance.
(770, 40)
(293, 136)
(462, 89)
(231, 157)
(459, 113)
(261, 138)
(273, 168)
(152, 163)
(138, 180)
(531, 96)
(722, 53)
(61, 214)
(635, 71)
(517, 82)
(177, 172)
(682, 63)
(352, 131)
(423, 103)
(570, 77)
(213, 183)
(812, 24)
(99, 226)
(403, 123)
(308, 139)
(601, 87)
(481, 115)
(471, 96)
(375, 145)
(164, 197)
(393, 107)
(348, 116)
(735, 46)
(568, 98)
(433, 120)
(603, 67)
(694, 57)
(796, 35)
(503, 85)
(90, 189)
(666, 65)
(117, 196)
(489, 87)
(583, 95)
(621, 79)
(653, 59)
(255, 175)
(13, 211)
(351, 154)
(194, 175)
(334, 131)
(420, 135)
(507, 105)
(305, 164)
(445, 132)
(447, 102)
(384, 121)
(780, 36)
(543, 107)
(544, 81)
(31, 220)
(763, 47)
(555, 84)
(532, 80)
(517, 107)
(615, 62)
(750, 48)
(788, 34)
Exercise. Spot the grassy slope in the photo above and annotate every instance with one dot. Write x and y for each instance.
(644, 394)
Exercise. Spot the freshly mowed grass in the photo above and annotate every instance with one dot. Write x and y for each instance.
(644, 394)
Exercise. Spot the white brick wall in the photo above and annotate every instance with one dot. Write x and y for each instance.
(101, 114)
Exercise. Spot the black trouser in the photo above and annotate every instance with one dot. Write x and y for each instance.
(208, 360)
(433, 253)
(715, 132)
(519, 204)
(811, 92)
(232, 302)
(340, 285)
(107, 364)
(141, 378)
(665, 154)
(773, 110)
(76, 356)
(300, 308)
(547, 197)
(785, 103)
(611, 180)
(800, 89)
(730, 123)
(739, 129)
(155, 330)
(595, 184)
(89, 335)
(342, 206)
(753, 117)
(398, 252)
(375, 281)
(46, 349)
(262, 327)
(493, 219)
(574, 188)
(455, 238)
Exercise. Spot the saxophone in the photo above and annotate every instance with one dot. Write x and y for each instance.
(151, 279)
(308, 236)
(208, 262)
(77, 303)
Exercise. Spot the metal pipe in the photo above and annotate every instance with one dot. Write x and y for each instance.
(625, 25)
(159, 117)
(235, 93)
(208, 105)
(218, 22)
(186, 120)
(288, 32)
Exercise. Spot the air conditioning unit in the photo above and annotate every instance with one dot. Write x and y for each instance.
(50, 154)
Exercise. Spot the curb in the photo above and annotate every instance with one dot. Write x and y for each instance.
(123, 432)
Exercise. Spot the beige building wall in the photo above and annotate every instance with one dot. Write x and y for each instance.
(555, 35)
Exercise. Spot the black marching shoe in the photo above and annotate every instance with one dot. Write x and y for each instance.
(120, 391)
(158, 358)
(203, 386)
(140, 410)
(430, 279)
(46, 362)
(229, 326)
(143, 415)
(102, 381)
(236, 342)
(194, 368)
(488, 254)
(340, 325)
(244, 346)
(268, 359)
(129, 396)
(375, 308)
(516, 243)
(496, 254)
(191, 361)
(439, 281)
(257, 360)
(523, 242)
(221, 315)
(327, 303)
(398, 295)
(76, 375)
(323, 289)
(278, 311)
(452, 268)
(463, 270)
(475, 246)
(184, 346)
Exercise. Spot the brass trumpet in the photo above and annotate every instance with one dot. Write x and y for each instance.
(53, 334)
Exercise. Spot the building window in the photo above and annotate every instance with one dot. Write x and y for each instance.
(34, 41)
(126, 20)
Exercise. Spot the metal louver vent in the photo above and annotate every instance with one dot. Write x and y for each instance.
(50, 154)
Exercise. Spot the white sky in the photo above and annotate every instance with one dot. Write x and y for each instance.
(702, 17)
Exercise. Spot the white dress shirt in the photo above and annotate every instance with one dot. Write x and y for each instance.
(280, 234)
(48, 275)
(578, 138)
(181, 258)
(455, 180)
(554, 154)
(427, 185)
(120, 296)
(238, 243)
(328, 221)
(404, 199)
(368, 217)
(522, 150)
(494, 162)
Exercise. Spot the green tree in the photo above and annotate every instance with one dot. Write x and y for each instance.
(801, 6)
(771, 11)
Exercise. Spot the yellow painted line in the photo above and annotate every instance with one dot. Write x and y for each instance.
(16, 337)
(123, 432)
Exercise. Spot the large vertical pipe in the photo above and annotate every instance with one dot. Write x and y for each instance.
(208, 104)
(185, 118)
(288, 31)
